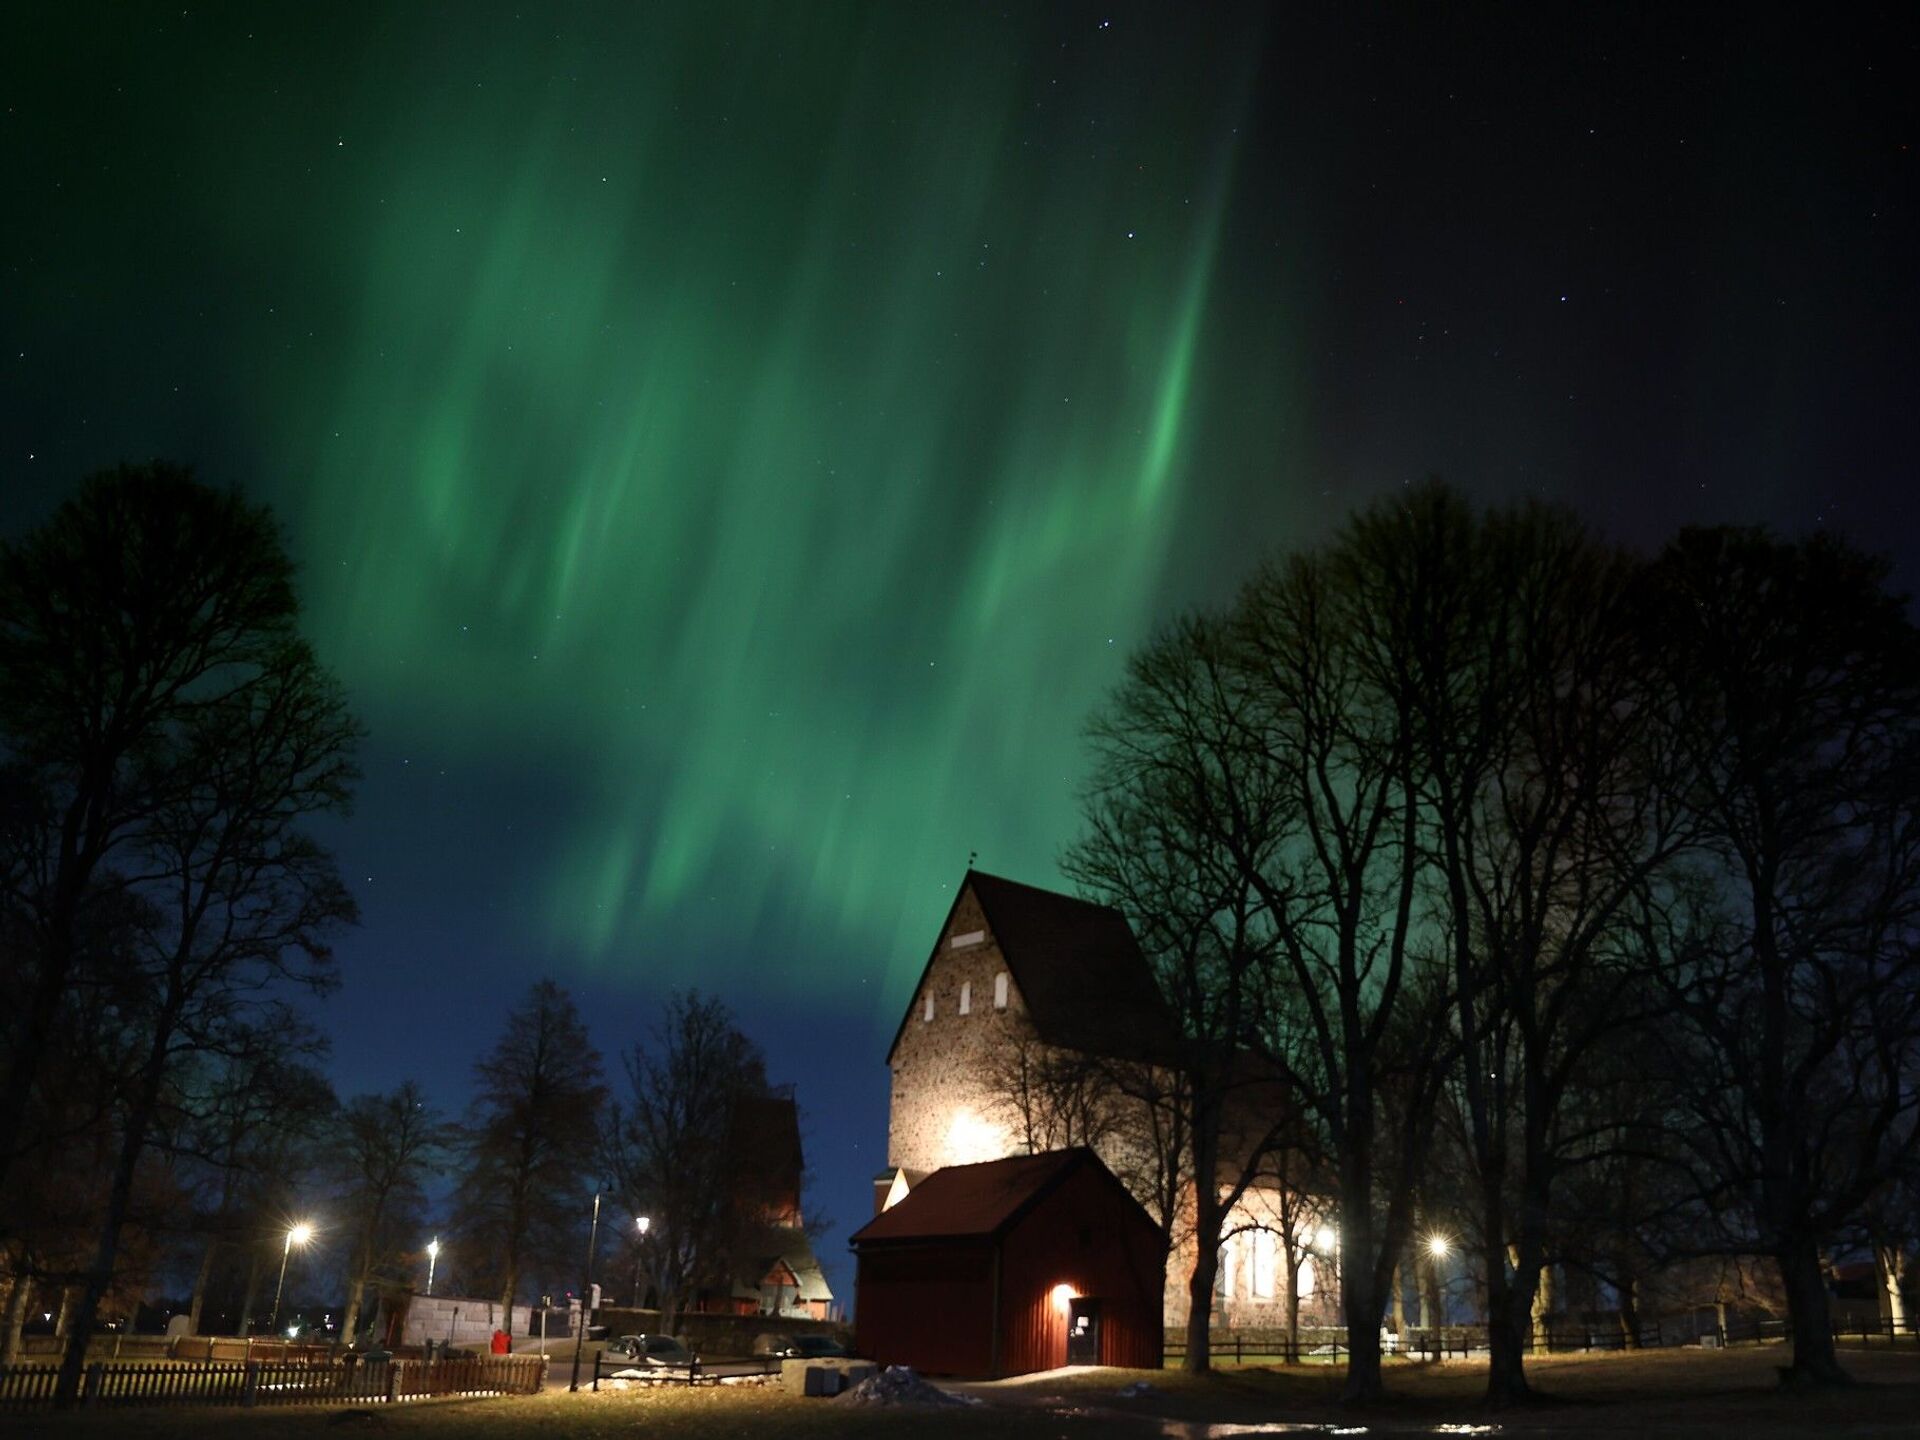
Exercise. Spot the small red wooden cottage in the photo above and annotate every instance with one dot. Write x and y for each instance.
(1011, 1266)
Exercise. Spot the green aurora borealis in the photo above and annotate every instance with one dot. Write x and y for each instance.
(731, 447)
(745, 445)
(759, 441)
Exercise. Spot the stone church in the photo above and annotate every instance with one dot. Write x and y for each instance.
(1018, 972)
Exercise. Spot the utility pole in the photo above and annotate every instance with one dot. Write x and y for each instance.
(586, 1298)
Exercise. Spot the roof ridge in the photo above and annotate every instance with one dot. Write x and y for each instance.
(1051, 894)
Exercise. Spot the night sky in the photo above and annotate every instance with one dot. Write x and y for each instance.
(730, 449)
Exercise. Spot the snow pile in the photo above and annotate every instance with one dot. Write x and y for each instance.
(900, 1385)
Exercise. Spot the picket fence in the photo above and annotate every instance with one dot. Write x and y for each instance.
(267, 1382)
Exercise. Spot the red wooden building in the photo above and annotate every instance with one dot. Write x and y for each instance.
(1011, 1266)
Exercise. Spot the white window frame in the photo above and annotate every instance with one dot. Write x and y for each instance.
(966, 997)
(926, 1013)
(1000, 991)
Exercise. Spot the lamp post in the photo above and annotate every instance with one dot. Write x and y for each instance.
(296, 1235)
(433, 1256)
(641, 1224)
(1438, 1248)
(586, 1294)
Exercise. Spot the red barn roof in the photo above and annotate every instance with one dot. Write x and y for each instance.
(960, 1201)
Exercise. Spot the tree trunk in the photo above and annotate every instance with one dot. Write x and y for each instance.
(252, 1293)
(512, 1284)
(1507, 1311)
(1887, 1259)
(1433, 1314)
(1293, 1310)
(1809, 1316)
(19, 1296)
(1543, 1308)
(1359, 1295)
(1206, 1270)
(1629, 1312)
(64, 1313)
(202, 1278)
(1364, 1383)
(31, 1037)
(73, 1359)
(350, 1317)
(133, 1143)
(1399, 1303)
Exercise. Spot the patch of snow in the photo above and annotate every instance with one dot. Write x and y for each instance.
(901, 1385)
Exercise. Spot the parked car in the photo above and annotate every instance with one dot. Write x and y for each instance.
(800, 1347)
(661, 1350)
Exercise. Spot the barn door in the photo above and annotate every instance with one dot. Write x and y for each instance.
(1083, 1331)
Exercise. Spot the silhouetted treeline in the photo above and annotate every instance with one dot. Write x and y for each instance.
(166, 734)
(1572, 893)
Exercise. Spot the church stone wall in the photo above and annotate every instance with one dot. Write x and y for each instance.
(946, 1109)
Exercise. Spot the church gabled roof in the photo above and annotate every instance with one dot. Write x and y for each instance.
(1086, 983)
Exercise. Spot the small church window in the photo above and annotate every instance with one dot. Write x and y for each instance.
(966, 997)
(927, 1014)
(1000, 991)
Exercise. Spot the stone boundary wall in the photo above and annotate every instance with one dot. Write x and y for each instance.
(462, 1320)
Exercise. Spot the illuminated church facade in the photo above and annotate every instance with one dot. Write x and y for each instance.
(1021, 977)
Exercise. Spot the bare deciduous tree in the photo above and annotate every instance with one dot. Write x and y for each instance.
(1793, 946)
(673, 1146)
(158, 702)
(385, 1148)
(530, 1143)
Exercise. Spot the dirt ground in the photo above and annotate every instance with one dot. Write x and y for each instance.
(1663, 1393)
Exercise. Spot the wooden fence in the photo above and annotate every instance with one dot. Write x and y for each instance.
(1324, 1343)
(121, 1346)
(275, 1382)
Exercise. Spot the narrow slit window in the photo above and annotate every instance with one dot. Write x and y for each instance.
(966, 997)
(1000, 991)
(926, 1013)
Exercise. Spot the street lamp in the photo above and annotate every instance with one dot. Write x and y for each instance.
(1439, 1247)
(297, 1235)
(433, 1256)
(586, 1290)
(641, 1224)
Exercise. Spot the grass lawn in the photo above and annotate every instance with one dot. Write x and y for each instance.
(1668, 1392)
(1662, 1392)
